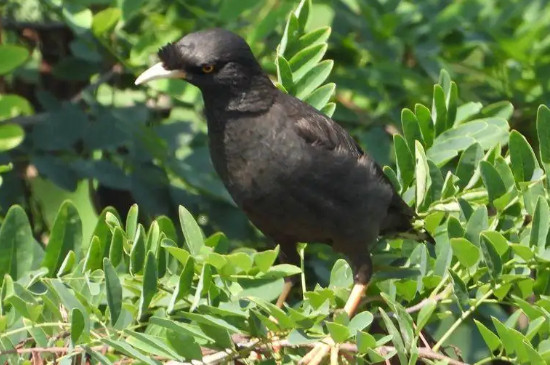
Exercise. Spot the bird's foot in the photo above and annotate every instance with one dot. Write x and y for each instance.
(320, 351)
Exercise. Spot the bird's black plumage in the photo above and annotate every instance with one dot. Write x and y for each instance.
(298, 175)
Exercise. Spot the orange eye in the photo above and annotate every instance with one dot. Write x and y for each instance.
(207, 69)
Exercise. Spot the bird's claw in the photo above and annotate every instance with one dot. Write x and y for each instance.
(320, 351)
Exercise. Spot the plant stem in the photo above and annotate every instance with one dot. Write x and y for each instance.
(493, 358)
(25, 328)
(463, 317)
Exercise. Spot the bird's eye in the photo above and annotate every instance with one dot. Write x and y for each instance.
(207, 69)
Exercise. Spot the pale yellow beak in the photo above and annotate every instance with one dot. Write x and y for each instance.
(158, 71)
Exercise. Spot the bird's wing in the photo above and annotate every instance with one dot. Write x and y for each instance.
(319, 130)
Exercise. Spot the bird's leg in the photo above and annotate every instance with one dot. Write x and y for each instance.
(323, 348)
(284, 294)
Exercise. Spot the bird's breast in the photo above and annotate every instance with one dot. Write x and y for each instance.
(251, 157)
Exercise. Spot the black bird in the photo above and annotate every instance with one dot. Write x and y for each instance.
(298, 175)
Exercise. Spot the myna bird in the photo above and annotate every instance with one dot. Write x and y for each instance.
(298, 175)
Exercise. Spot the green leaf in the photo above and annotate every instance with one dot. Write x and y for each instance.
(341, 275)
(132, 221)
(67, 265)
(467, 111)
(137, 253)
(94, 256)
(338, 332)
(492, 180)
(452, 102)
(444, 257)
(487, 132)
(396, 337)
(423, 179)
(313, 79)
(543, 133)
(77, 325)
(522, 157)
(105, 20)
(411, 129)
(303, 61)
(11, 135)
(102, 230)
(460, 290)
(265, 259)
(425, 123)
(320, 97)
(491, 257)
(283, 320)
(17, 244)
(150, 344)
(183, 288)
(317, 36)
(291, 30)
(189, 329)
(302, 12)
(478, 221)
(540, 225)
(12, 106)
(501, 109)
(194, 238)
(11, 57)
(127, 349)
(404, 319)
(392, 176)
(149, 288)
(360, 321)
(525, 252)
(284, 73)
(466, 252)
(152, 242)
(469, 160)
(179, 253)
(329, 109)
(116, 249)
(283, 270)
(202, 286)
(492, 340)
(439, 110)
(424, 315)
(77, 17)
(505, 173)
(206, 319)
(113, 290)
(66, 235)
(449, 188)
(498, 240)
(184, 345)
(405, 161)
(365, 341)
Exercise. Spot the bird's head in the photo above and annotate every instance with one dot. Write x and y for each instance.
(208, 59)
